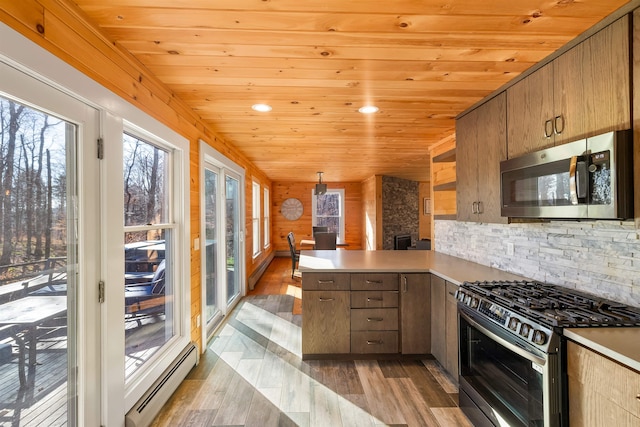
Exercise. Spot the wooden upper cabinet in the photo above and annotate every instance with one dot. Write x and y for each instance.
(466, 165)
(529, 107)
(584, 92)
(481, 145)
(492, 149)
(606, 78)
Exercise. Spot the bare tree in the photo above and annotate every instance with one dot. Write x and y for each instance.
(15, 112)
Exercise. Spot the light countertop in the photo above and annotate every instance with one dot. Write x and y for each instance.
(619, 344)
(453, 269)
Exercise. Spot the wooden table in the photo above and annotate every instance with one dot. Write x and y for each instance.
(26, 314)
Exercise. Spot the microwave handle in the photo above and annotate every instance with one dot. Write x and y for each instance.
(572, 180)
(577, 179)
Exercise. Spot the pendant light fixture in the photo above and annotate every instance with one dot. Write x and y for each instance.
(320, 187)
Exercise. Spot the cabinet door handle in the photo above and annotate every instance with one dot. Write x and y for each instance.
(558, 129)
(325, 282)
(375, 319)
(480, 207)
(638, 397)
(474, 207)
(373, 282)
(373, 299)
(548, 128)
(374, 342)
(325, 299)
(405, 284)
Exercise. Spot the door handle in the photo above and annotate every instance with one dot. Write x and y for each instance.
(558, 129)
(474, 208)
(548, 128)
(405, 284)
(480, 208)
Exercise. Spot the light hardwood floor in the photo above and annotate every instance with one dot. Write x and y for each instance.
(252, 375)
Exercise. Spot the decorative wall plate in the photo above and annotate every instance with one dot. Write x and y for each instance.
(291, 209)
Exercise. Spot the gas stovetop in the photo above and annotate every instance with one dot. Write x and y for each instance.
(555, 305)
(536, 312)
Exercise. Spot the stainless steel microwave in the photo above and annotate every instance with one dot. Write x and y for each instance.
(589, 178)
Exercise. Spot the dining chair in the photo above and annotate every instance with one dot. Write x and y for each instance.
(326, 240)
(295, 255)
(319, 229)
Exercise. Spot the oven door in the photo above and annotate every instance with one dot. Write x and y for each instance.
(504, 381)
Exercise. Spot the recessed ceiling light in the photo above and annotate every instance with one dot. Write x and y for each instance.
(263, 108)
(368, 109)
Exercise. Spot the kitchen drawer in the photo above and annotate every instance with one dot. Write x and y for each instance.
(374, 342)
(325, 281)
(374, 319)
(374, 282)
(374, 299)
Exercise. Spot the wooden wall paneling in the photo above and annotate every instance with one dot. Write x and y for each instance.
(424, 229)
(372, 213)
(301, 228)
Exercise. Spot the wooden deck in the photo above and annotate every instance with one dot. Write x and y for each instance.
(43, 401)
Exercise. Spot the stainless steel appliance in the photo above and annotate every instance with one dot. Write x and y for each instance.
(512, 369)
(589, 178)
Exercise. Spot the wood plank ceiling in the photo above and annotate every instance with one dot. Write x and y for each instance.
(317, 61)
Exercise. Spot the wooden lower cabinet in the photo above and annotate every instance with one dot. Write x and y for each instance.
(326, 320)
(444, 324)
(601, 392)
(451, 330)
(415, 313)
(366, 313)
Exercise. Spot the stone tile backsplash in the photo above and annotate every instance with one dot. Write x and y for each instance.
(599, 257)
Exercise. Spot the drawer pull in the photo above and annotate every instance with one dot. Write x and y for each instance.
(452, 294)
(325, 299)
(638, 397)
(375, 319)
(374, 342)
(374, 282)
(325, 282)
(374, 299)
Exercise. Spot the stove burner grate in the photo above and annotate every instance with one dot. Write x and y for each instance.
(556, 306)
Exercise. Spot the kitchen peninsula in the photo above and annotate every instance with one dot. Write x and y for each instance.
(383, 302)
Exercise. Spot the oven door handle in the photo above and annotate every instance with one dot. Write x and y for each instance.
(516, 349)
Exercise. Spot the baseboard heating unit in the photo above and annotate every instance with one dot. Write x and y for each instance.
(145, 409)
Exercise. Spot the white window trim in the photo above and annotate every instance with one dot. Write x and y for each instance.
(43, 65)
(343, 218)
(266, 219)
(256, 197)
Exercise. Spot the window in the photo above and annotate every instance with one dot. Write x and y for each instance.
(265, 219)
(328, 211)
(148, 236)
(256, 218)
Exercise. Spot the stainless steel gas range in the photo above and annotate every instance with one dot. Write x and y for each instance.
(512, 369)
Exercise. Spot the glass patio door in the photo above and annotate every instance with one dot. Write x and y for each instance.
(48, 184)
(232, 237)
(222, 252)
(212, 219)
